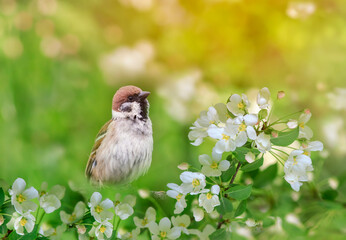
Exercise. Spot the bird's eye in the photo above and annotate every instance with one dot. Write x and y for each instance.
(130, 98)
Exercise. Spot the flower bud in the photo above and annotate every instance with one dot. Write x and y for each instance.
(143, 193)
(2, 220)
(250, 157)
(307, 111)
(81, 229)
(183, 166)
(281, 94)
(275, 134)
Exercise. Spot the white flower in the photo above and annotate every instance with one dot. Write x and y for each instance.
(182, 222)
(124, 209)
(263, 142)
(76, 215)
(54, 233)
(311, 147)
(163, 230)
(193, 182)
(250, 157)
(244, 126)
(293, 180)
(210, 200)
(296, 168)
(292, 123)
(298, 163)
(238, 105)
(50, 201)
(204, 235)
(225, 136)
(251, 222)
(177, 193)
(98, 208)
(102, 229)
(263, 98)
(305, 131)
(20, 198)
(213, 167)
(133, 235)
(22, 221)
(150, 216)
(215, 115)
(198, 214)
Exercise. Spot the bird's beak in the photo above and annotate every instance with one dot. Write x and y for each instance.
(143, 95)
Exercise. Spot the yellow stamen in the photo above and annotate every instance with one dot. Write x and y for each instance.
(295, 161)
(163, 234)
(72, 217)
(306, 153)
(195, 182)
(98, 209)
(116, 203)
(20, 198)
(241, 105)
(214, 165)
(225, 137)
(22, 222)
(211, 122)
(182, 225)
(102, 229)
(209, 195)
(179, 196)
(302, 125)
(242, 127)
(145, 221)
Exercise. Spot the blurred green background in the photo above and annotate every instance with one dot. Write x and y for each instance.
(62, 61)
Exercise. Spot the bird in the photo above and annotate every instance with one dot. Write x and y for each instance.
(122, 151)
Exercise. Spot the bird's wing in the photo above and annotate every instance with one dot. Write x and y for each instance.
(99, 138)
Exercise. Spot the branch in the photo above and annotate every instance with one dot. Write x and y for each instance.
(235, 174)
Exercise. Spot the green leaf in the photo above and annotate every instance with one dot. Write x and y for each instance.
(285, 138)
(2, 196)
(225, 206)
(240, 209)
(240, 153)
(239, 192)
(267, 222)
(266, 176)
(252, 166)
(219, 234)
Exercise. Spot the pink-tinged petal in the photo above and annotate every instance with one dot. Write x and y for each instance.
(304, 117)
(18, 185)
(96, 198)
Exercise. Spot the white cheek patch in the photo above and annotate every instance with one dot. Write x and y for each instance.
(127, 110)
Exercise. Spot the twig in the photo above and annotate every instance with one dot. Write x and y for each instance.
(235, 174)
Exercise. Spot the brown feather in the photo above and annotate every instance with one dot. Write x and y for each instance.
(99, 138)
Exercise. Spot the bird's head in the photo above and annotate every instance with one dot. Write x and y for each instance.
(130, 102)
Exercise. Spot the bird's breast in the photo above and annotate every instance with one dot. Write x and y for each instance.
(126, 150)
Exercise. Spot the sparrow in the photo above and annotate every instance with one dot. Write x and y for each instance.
(123, 147)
